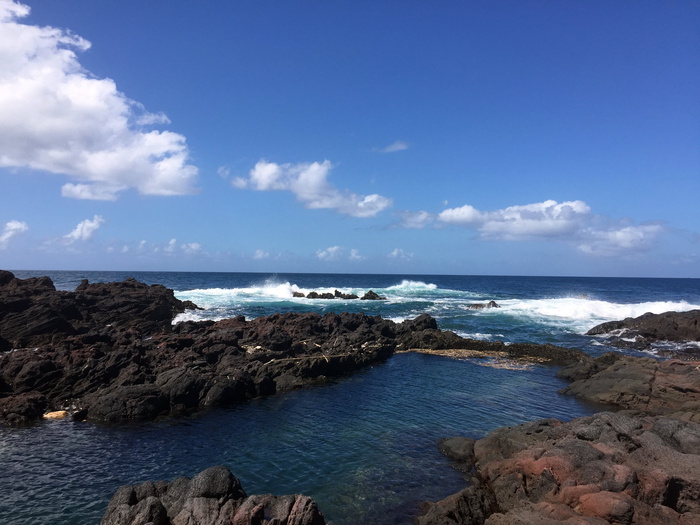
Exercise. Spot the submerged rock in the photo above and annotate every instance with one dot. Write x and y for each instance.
(603, 469)
(481, 306)
(212, 497)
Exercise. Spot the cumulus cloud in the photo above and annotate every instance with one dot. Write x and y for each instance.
(260, 254)
(398, 145)
(84, 230)
(399, 254)
(542, 219)
(191, 248)
(332, 253)
(308, 182)
(355, 255)
(568, 221)
(11, 229)
(57, 117)
(170, 247)
(613, 242)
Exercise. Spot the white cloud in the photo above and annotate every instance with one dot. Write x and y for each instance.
(398, 145)
(614, 242)
(542, 219)
(260, 254)
(568, 221)
(191, 248)
(170, 247)
(11, 229)
(308, 182)
(57, 117)
(400, 254)
(355, 255)
(332, 253)
(416, 219)
(84, 230)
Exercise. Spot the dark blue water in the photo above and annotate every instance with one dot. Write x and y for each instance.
(364, 447)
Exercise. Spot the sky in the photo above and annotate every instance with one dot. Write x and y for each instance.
(480, 137)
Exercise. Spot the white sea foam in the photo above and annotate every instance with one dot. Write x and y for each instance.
(582, 314)
(412, 286)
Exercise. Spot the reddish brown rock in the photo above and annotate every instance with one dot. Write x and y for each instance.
(607, 468)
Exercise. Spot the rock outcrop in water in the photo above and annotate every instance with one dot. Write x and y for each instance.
(603, 469)
(212, 497)
(108, 352)
(640, 332)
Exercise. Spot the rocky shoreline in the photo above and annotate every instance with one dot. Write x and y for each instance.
(640, 465)
(108, 352)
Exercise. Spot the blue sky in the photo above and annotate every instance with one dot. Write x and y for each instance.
(478, 137)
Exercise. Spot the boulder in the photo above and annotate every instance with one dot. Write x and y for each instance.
(620, 468)
(372, 296)
(212, 497)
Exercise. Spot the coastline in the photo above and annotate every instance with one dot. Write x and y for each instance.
(381, 337)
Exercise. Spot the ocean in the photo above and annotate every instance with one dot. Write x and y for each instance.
(365, 446)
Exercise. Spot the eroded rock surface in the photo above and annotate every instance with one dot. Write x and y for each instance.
(669, 387)
(212, 497)
(641, 332)
(610, 468)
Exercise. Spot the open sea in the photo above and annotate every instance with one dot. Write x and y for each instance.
(364, 447)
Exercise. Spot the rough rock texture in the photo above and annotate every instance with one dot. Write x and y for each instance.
(33, 312)
(212, 497)
(640, 332)
(108, 352)
(658, 387)
(610, 468)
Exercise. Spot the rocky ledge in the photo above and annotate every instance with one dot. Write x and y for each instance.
(670, 388)
(108, 352)
(641, 332)
(610, 468)
(212, 497)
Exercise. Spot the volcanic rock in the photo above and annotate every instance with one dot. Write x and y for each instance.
(640, 332)
(481, 306)
(371, 295)
(212, 497)
(33, 312)
(609, 468)
(107, 352)
(669, 388)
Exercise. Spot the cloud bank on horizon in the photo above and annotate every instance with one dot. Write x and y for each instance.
(570, 221)
(58, 118)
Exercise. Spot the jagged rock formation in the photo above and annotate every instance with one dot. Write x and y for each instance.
(640, 332)
(212, 497)
(603, 469)
(108, 352)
